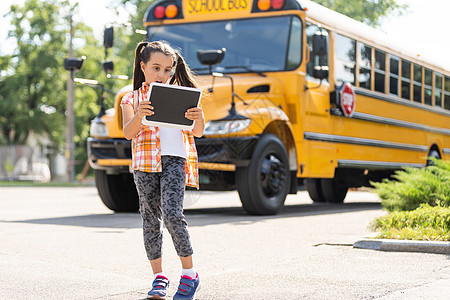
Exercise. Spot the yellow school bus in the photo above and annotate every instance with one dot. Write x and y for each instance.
(292, 92)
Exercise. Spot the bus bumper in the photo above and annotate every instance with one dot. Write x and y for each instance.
(224, 154)
(112, 155)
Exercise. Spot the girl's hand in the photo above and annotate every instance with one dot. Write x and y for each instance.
(195, 114)
(145, 109)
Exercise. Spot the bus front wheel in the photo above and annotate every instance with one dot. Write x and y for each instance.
(264, 184)
(117, 191)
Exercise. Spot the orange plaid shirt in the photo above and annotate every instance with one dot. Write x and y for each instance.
(146, 145)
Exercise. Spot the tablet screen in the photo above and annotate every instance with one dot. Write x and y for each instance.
(170, 102)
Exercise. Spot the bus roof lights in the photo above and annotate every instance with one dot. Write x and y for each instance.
(264, 5)
(159, 12)
(171, 11)
(277, 4)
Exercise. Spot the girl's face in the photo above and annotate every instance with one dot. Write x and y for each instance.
(158, 68)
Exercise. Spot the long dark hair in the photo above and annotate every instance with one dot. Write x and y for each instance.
(182, 75)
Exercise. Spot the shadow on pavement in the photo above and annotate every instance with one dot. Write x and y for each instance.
(113, 220)
(238, 215)
(204, 216)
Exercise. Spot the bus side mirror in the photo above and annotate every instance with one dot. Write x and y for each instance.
(319, 43)
(108, 37)
(211, 57)
(320, 72)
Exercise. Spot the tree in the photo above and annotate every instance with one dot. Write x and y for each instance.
(126, 44)
(370, 12)
(32, 79)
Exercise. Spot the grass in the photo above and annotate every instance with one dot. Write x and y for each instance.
(429, 223)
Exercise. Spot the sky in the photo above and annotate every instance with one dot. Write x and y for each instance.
(424, 29)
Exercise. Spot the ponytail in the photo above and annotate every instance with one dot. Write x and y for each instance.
(183, 75)
(138, 75)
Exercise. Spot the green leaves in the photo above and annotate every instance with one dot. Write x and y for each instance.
(419, 201)
(414, 186)
(33, 76)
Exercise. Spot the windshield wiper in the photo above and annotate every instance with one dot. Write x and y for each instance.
(234, 67)
(246, 68)
(199, 69)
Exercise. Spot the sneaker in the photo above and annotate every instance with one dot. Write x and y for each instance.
(159, 288)
(187, 288)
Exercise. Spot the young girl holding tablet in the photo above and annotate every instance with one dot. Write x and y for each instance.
(164, 161)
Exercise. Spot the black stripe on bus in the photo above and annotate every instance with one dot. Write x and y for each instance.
(389, 121)
(397, 100)
(367, 164)
(361, 141)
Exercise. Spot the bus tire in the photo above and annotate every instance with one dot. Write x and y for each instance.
(264, 184)
(433, 153)
(117, 191)
(333, 191)
(314, 188)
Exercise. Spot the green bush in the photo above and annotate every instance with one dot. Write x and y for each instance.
(424, 223)
(413, 186)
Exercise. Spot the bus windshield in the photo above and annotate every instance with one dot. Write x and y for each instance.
(252, 45)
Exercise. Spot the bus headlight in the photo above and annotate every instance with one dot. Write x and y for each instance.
(98, 129)
(224, 127)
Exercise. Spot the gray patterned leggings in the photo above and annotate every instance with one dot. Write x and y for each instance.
(161, 198)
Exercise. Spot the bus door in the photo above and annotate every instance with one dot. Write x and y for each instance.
(317, 107)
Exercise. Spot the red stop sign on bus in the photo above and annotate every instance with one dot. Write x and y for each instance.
(347, 100)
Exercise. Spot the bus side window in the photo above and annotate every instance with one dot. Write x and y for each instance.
(447, 93)
(428, 87)
(393, 74)
(345, 62)
(406, 80)
(417, 83)
(365, 66)
(314, 60)
(380, 71)
(438, 89)
(294, 56)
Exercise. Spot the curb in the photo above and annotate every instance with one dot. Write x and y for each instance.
(404, 246)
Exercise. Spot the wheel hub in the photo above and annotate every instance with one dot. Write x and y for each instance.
(272, 175)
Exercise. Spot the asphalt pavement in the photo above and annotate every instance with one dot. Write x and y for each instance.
(64, 243)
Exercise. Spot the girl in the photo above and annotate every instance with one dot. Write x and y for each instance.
(164, 160)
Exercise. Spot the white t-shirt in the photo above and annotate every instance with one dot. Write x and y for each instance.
(172, 142)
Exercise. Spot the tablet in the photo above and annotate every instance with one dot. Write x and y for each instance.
(170, 102)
